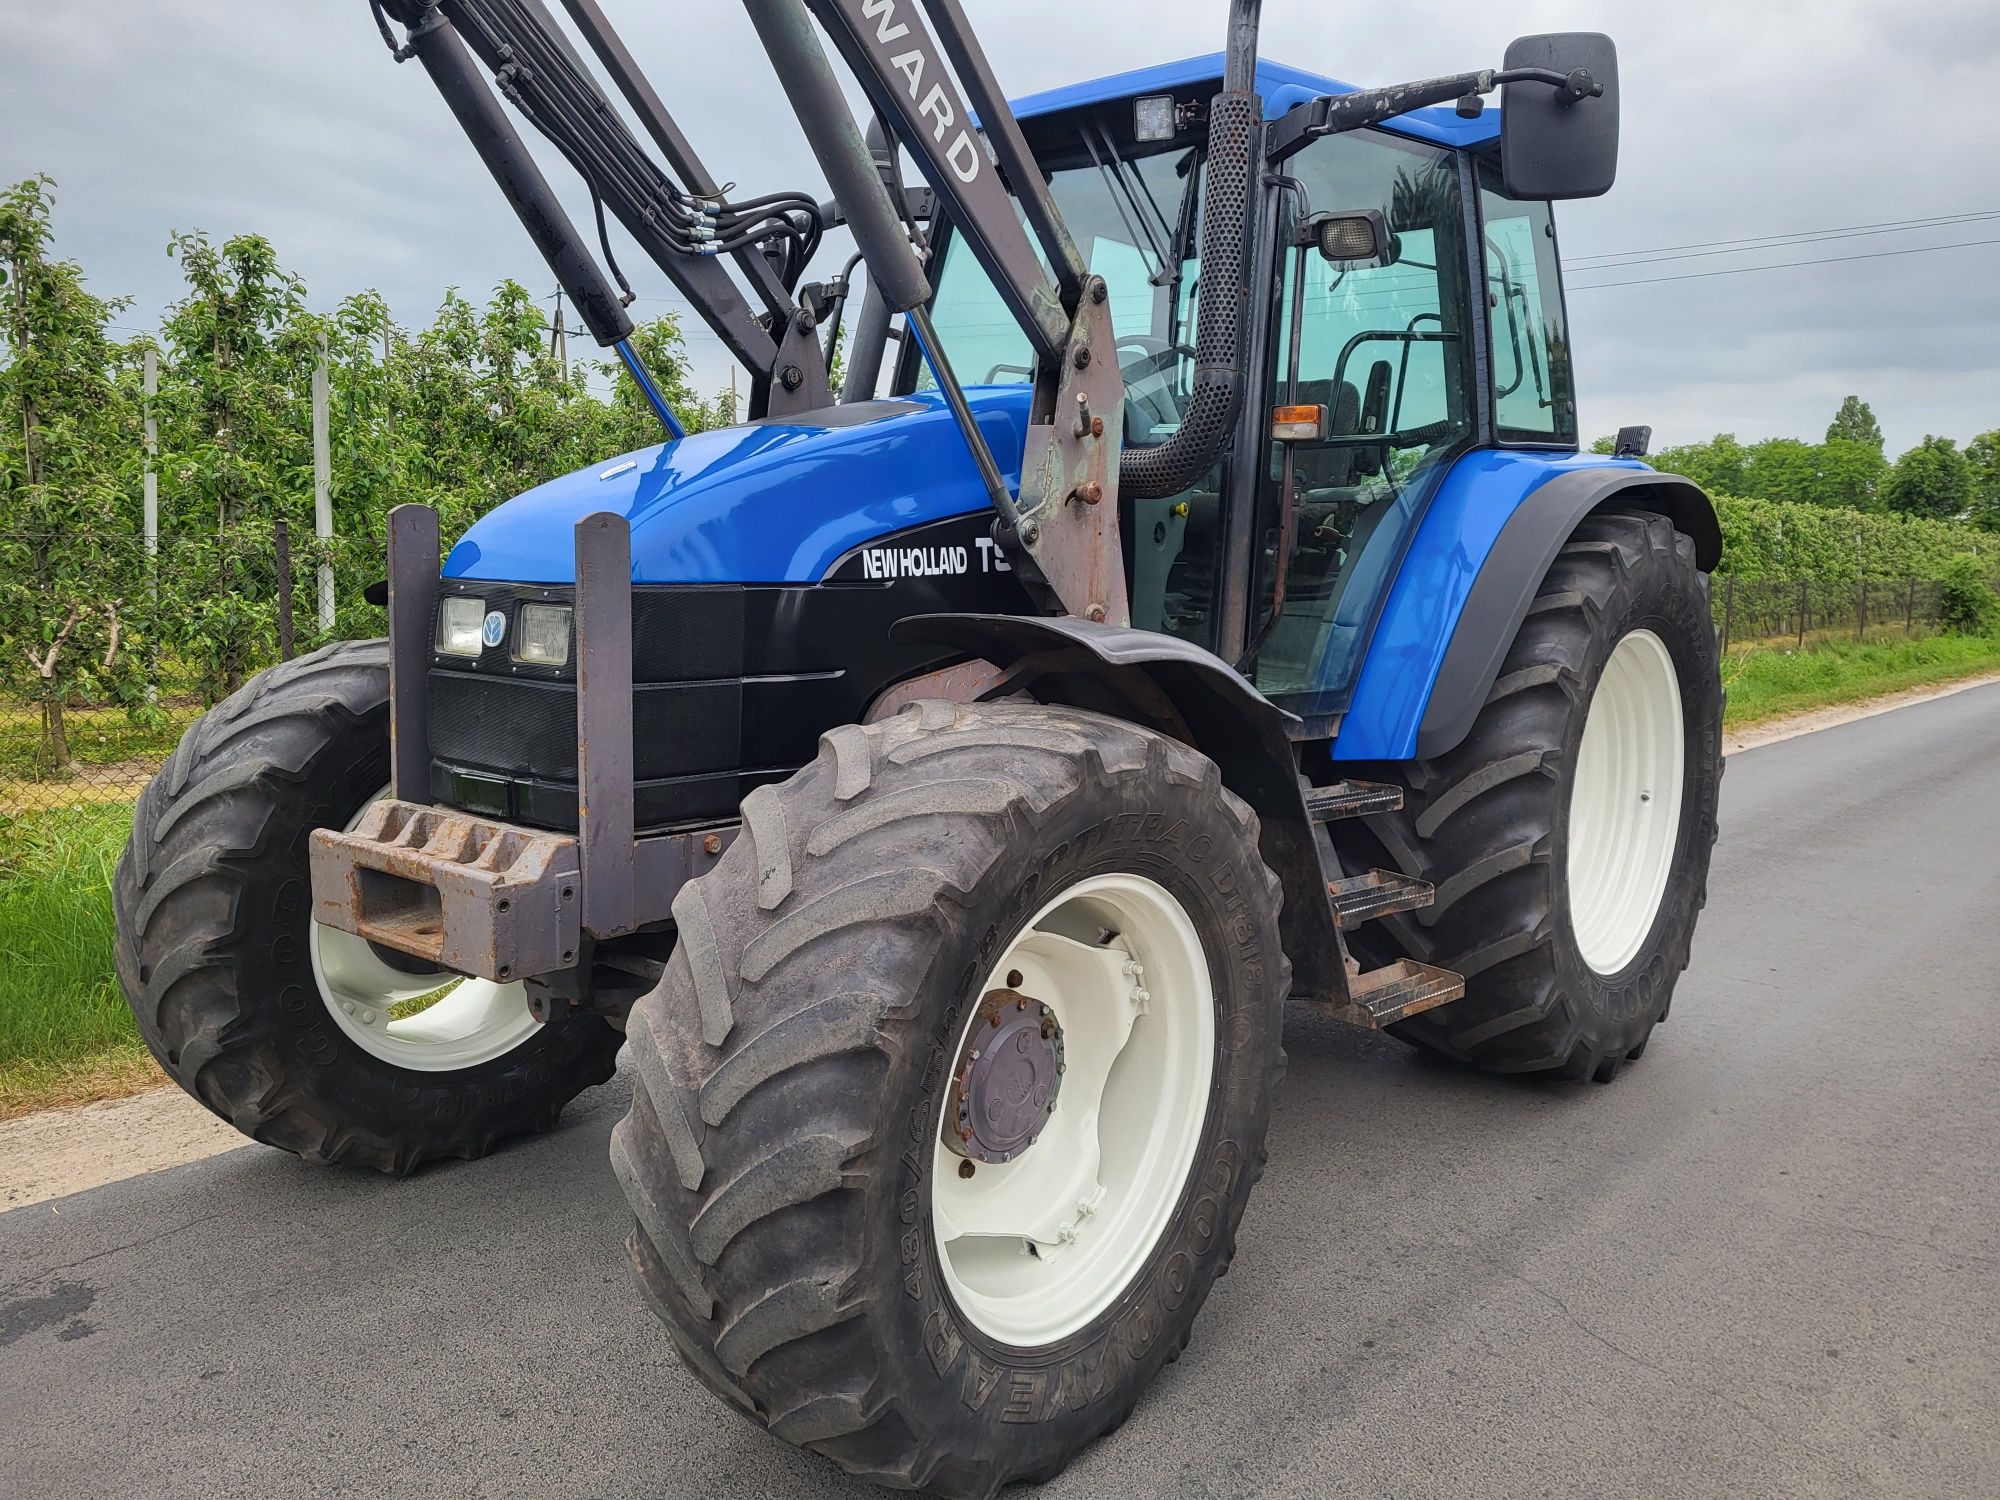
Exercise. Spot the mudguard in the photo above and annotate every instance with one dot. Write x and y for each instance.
(1467, 581)
(1185, 691)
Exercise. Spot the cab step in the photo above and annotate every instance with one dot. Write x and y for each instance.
(1377, 893)
(1395, 992)
(1351, 799)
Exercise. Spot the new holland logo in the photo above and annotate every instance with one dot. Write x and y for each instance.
(494, 629)
(912, 562)
(931, 562)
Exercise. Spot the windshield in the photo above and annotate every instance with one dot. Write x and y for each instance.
(1123, 214)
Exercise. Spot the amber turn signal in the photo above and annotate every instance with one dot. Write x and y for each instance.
(1298, 424)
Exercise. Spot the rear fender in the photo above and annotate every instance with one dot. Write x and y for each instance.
(1466, 584)
(1178, 689)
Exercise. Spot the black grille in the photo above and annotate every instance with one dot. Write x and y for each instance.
(733, 685)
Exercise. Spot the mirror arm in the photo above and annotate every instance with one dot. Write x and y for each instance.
(1329, 115)
(1575, 85)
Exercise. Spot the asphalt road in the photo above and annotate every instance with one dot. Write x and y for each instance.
(1766, 1261)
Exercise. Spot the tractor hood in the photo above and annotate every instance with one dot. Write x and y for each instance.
(776, 501)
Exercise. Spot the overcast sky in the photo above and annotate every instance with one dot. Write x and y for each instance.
(1741, 118)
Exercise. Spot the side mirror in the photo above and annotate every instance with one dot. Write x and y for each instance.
(1552, 143)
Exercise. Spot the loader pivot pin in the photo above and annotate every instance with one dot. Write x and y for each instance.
(1004, 1087)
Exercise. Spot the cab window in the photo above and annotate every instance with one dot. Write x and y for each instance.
(1534, 400)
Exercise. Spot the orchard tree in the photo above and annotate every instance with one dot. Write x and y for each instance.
(1719, 465)
(1983, 454)
(239, 355)
(1855, 422)
(234, 439)
(1933, 479)
(1782, 469)
(63, 427)
(1851, 473)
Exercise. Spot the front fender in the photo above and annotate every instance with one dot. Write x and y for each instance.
(1467, 580)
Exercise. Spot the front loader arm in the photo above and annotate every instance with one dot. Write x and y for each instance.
(685, 226)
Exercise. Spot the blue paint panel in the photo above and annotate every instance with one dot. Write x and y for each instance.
(771, 502)
(1282, 88)
(1476, 499)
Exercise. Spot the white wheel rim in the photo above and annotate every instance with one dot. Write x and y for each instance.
(1625, 803)
(1035, 1248)
(477, 1022)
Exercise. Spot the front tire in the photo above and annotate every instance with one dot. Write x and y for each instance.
(1566, 894)
(892, 907)
(286, 1031)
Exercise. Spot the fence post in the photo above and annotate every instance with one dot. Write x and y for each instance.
(281, 556)
(1861, 629)
(1910, 609)
(1728, 609)
(1804, 599)
(322, 490)
(152, 496)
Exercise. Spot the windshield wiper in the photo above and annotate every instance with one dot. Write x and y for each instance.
(1123, 198)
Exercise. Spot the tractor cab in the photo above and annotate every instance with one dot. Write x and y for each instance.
(1369, 348)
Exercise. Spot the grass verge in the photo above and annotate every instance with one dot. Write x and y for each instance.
(66, 1036)
(1766, 684)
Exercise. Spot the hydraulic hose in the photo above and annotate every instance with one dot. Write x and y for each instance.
(643, 378)
(1234, 117)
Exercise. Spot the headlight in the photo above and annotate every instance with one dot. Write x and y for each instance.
(544, 635)
(459, 622)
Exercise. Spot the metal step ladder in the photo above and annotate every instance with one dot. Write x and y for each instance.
(1396, 991)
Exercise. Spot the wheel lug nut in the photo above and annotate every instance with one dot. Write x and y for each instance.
(965, 1168)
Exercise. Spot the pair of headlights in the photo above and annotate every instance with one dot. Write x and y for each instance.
(466, 627)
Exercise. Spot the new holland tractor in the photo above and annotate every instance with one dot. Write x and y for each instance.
(937, 795)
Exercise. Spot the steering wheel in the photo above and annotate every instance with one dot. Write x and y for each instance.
(1148, 393)
(1159, 353)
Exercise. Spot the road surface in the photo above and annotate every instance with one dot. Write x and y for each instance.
(1766, 1261)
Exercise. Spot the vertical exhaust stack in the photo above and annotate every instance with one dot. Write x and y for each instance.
(1234, 119)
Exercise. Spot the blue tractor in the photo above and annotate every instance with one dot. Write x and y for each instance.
(939, 794)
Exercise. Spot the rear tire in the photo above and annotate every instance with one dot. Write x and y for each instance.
(782, 1151)
(1491, 822)
(214, 947)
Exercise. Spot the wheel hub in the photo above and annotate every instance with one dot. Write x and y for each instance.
(1009, 1072)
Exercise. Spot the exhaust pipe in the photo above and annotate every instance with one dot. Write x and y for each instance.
(1234, 118)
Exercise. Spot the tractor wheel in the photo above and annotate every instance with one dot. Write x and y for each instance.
(305, 1037)
(950, 1100)
(1569, 835)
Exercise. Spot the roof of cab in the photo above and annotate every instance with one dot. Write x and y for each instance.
(1282, 87)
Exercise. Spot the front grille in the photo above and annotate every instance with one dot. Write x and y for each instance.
(732, 685)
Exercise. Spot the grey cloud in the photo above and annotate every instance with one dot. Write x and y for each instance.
(286, 117)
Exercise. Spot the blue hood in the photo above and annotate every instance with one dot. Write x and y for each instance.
(769, 502)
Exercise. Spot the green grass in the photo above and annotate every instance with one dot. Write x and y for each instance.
(1766, 684)
(98, 736)
(65, 1032)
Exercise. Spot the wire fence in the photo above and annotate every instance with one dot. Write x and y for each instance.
(109, 648)
(104, 665)
(1801, 613)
